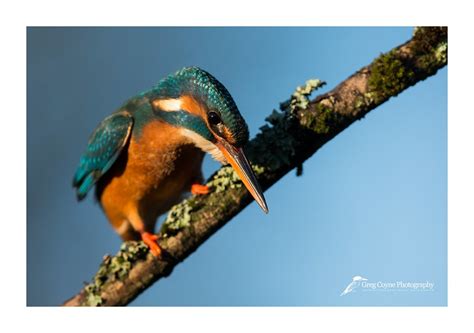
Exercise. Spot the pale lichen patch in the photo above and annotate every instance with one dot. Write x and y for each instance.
(113, 269)
(179, 217)
(300, 98)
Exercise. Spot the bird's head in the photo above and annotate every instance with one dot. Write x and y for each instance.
(358, 278)
(205, 112)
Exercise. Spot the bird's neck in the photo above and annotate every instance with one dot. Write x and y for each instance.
(184, 114)
(205, 145)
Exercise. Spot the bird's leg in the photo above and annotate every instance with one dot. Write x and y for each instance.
(199, 189)
(148, 238)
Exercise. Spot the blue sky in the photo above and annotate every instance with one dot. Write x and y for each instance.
(371, 202)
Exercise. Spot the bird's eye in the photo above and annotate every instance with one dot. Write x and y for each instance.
(213, 118)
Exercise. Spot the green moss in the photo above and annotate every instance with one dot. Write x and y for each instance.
(364, 101)
(321, 121)
(394, 71)
(359, 102)
(274, 145)
(441, 53)
(430, 46)
(178, 218)
(324, 120)
(369, 97)
(300, 98)
(226, 178)
(258, 169)
(278, 135)
(92, 298)
(114, 268)
(427, 39)
(389, 75)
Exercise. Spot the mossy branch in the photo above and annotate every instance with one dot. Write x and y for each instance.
(294, 133)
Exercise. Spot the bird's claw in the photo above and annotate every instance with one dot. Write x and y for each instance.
(199, 189)
(150, 240)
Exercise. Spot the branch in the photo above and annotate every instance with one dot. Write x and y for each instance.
(294, 134)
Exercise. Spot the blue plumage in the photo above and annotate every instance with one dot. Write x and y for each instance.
(206, 88)
(186, 120)
(103, 148)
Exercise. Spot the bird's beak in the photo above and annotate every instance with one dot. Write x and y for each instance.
(238, 161)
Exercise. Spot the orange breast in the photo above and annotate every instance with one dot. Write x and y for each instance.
(159, 166)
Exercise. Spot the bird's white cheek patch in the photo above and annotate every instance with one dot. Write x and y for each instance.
(169, 104)
(205, 145)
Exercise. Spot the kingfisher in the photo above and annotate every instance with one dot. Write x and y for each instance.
(144, 157)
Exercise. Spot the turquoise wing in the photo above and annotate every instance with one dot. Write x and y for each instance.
(103, 149)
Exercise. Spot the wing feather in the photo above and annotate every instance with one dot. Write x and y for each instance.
(103, 149)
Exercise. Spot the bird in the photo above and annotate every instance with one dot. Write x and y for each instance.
(145, 156)
(356, 281)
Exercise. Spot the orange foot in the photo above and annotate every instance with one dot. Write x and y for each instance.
(150, 240)
(199, 189)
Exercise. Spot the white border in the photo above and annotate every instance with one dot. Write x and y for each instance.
(18, 15)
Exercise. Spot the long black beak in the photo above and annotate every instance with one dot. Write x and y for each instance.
(238, 161)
